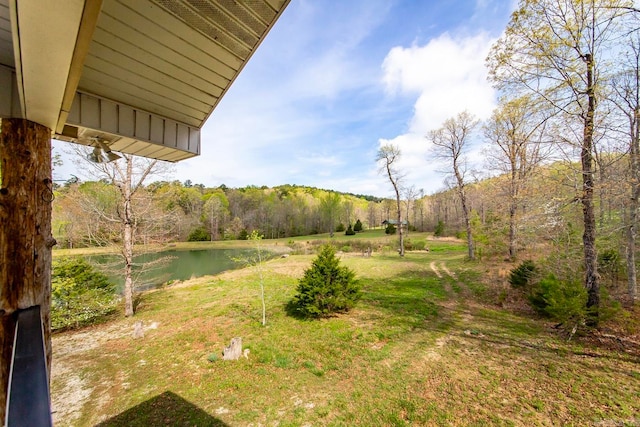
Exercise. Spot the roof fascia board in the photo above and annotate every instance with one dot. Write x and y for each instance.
(88, 24)
(17, 52)
(44, 39)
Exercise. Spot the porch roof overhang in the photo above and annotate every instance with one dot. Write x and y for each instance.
(141, 75)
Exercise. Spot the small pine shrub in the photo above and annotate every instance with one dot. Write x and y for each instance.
(199, 234)
(350, 231)
(439, 231)
(391, 229)
(561, 300)
(326, 287)
(243, 235)
(358, 226)
(521, 275)
(340, 228)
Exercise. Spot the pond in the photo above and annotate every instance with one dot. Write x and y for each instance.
(156, 268)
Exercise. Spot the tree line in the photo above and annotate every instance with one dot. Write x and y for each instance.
(85, 213)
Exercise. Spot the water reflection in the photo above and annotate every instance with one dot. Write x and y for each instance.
(156, 268)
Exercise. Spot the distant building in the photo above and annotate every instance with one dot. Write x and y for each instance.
(394, 222)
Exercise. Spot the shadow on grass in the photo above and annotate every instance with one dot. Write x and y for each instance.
(165, 409)
(292, 310)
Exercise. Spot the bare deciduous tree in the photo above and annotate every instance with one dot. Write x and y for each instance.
(128, 175)
(410, 195)
(450, 143)
(627, 99)
(513, 132)
(388, 156)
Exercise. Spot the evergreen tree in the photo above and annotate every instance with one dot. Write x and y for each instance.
(358, 226)
(326, 287)
(391, 229)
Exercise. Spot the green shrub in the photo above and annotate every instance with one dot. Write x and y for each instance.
(199, 234)
(561, 300)
(391, 229)
(521, 275)
(325, 288)
(439, 231)
(243, 235)
(80, 295)
(350, 231)
(358, 226)
(340, 228)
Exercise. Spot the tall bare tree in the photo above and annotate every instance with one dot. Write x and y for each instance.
(410, 195)
(552, 49)
(128, 175)
(513, 133)
(388, 156)
(213, 210)
(627, 99)
(451, 143)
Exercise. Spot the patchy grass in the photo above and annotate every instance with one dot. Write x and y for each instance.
(418, 350)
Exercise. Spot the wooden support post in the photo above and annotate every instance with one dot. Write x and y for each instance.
(26, 194)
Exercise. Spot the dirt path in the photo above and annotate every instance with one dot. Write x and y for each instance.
(444, 268)
(456, 304)
(69, 390)
(434, 268)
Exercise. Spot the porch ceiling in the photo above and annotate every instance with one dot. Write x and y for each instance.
(143, 75)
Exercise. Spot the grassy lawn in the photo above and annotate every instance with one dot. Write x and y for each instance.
(423, 347)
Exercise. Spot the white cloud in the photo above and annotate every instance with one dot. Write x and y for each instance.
(447, 75)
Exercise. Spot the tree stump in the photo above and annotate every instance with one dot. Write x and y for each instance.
(234, 350)
(138, 330)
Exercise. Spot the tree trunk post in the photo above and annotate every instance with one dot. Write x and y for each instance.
(128, 241)
(588, 211)
(634, 160)
(25, 235)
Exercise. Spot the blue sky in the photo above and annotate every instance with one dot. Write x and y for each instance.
(334, 80)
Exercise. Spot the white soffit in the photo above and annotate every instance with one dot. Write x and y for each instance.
(174, 58)
(169, 61)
